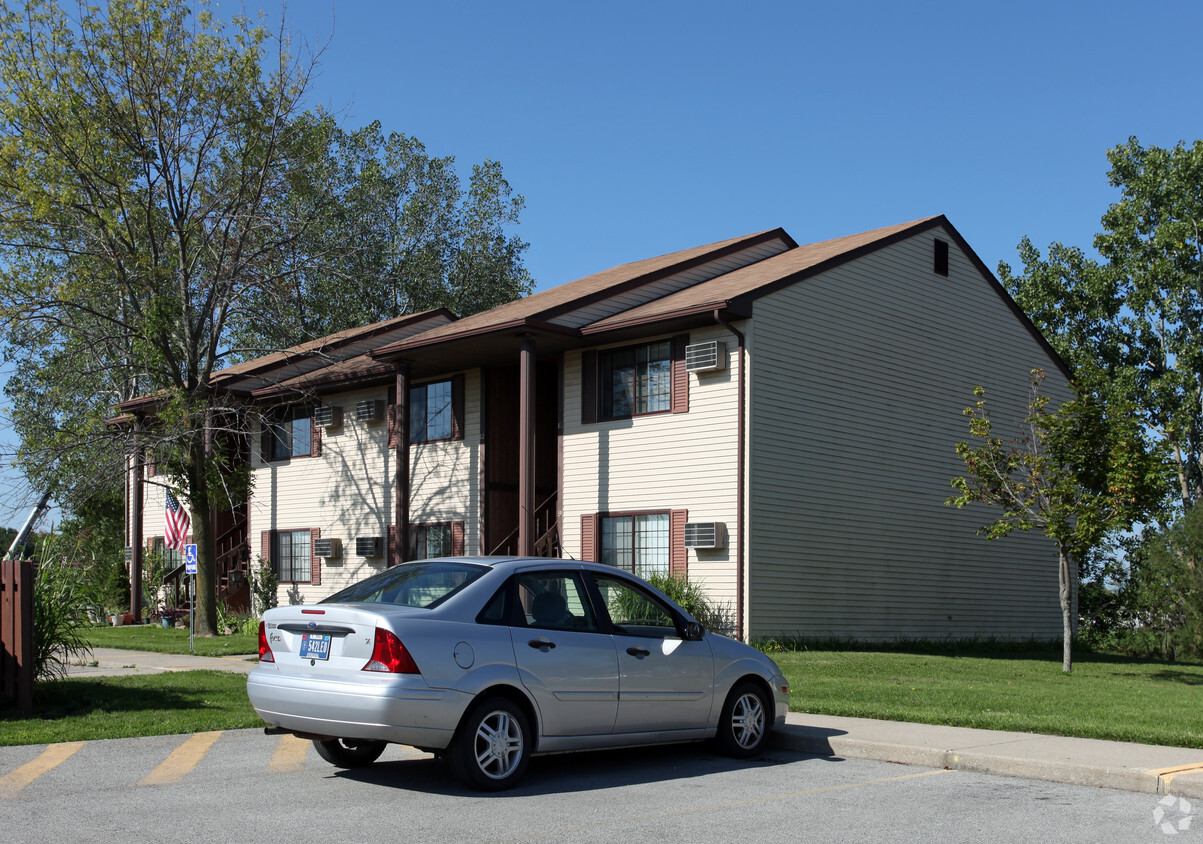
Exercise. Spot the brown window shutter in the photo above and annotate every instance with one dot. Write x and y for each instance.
(457, 407)
(265, 545)
(677, 555)
(265, 439)
(680, 378)
(315, 562)
(457, 539)
(589, 537)
(315, 439)
(392, 417)
(588, 387)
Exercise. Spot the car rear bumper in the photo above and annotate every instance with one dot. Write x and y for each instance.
(381, 708)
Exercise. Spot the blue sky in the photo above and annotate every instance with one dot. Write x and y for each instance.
(635, 129)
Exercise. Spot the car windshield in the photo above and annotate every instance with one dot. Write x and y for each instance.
(424, 585)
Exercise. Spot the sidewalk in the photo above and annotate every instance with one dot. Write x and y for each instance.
(1174, 771)
(116, 662)
(1154, 769)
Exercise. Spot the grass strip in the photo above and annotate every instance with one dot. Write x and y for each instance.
(1105, 697)
(158, 639)
(88, 708)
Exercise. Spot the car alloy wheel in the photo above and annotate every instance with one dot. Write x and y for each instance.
(492, 746)
(744, 725)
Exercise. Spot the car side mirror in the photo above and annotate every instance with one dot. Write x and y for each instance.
(693, 631)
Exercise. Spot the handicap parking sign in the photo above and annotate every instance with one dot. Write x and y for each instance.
(190, 559)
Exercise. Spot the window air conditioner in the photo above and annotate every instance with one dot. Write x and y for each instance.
(329, 548)
(369, 410)
(705, 535)
(368, 546)
(705, 357)
(327, 416)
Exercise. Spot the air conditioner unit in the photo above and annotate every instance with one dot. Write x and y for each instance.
(329, 548)
(327, 416)
(369, 410)
(705, 535)
(368, 546)
(705, 357)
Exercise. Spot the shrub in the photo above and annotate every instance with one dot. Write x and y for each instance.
(693, 599)
(59, 612)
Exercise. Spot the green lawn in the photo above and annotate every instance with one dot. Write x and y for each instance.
(86, 708)
(153, 637)
(1105, 697)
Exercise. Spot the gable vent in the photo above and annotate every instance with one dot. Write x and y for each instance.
(368, 546)
(369, 410)
(327, 416)
(705, 357)
(705, 535)
(329, 548)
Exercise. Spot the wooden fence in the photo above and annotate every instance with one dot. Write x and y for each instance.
(16, 632)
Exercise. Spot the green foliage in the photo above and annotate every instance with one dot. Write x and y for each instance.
(693, 598)
(1075, 472)
(1132, 326)
(1168, 587)
(58, 618)
(264, 586)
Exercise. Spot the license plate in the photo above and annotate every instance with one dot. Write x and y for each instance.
(315, 646)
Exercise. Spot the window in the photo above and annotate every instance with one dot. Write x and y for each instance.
(636, 380)
(172, 558)
(555, 601)
(423, 585)
(632, 611)
(940, 257)
(429, 541)
(639, 543)
(287, 432)
(290, 555)
(430, 412)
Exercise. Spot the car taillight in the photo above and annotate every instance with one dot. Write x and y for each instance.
(390, 656)
(265, 651)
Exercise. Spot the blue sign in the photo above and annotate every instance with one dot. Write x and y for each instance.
(190, 559)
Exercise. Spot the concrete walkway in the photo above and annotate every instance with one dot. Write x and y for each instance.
(1173, 771)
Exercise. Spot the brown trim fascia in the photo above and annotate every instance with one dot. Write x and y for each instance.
(664, 272)
(375, 376)
(524, 324)
(705, 309)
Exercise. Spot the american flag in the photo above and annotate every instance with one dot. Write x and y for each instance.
(178, 522)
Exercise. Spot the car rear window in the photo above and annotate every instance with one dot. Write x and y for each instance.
(423, 585)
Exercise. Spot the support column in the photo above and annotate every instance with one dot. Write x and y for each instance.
(401, 485)
(526, 446)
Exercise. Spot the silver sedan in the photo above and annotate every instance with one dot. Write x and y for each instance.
(488, 660)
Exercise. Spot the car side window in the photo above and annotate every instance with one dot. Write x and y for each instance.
(555, 601)
(634, 612)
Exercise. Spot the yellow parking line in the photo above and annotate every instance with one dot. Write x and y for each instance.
(53, 756)
(289, 755)
(1178, 769)
(182, 760)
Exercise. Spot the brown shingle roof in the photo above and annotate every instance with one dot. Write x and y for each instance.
(759, 278)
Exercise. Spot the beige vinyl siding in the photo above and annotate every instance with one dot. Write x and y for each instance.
(154, 517)
(859, 380)
(347, 492)
(643, 294)
(663, 461)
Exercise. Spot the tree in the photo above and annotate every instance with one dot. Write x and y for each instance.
(1132, 325)
(141, 156)
(389, 230)
(1169, 588)
(1075, 472)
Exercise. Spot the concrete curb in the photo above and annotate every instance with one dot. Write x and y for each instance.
(1151, 769)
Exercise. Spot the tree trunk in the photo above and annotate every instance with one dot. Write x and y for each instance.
(1067, 630)
(202, 535)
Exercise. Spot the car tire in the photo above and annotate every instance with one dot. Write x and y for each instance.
(492, 746)
(349, 753)
(743, 726)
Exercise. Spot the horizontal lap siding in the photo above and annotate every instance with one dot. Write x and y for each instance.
(347, 492)
(662, 462)
(859, 380)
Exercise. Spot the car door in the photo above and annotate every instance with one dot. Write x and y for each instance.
(665, 682)
(564, 660)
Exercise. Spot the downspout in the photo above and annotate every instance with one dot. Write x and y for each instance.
(721, 318)
(401, 464)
